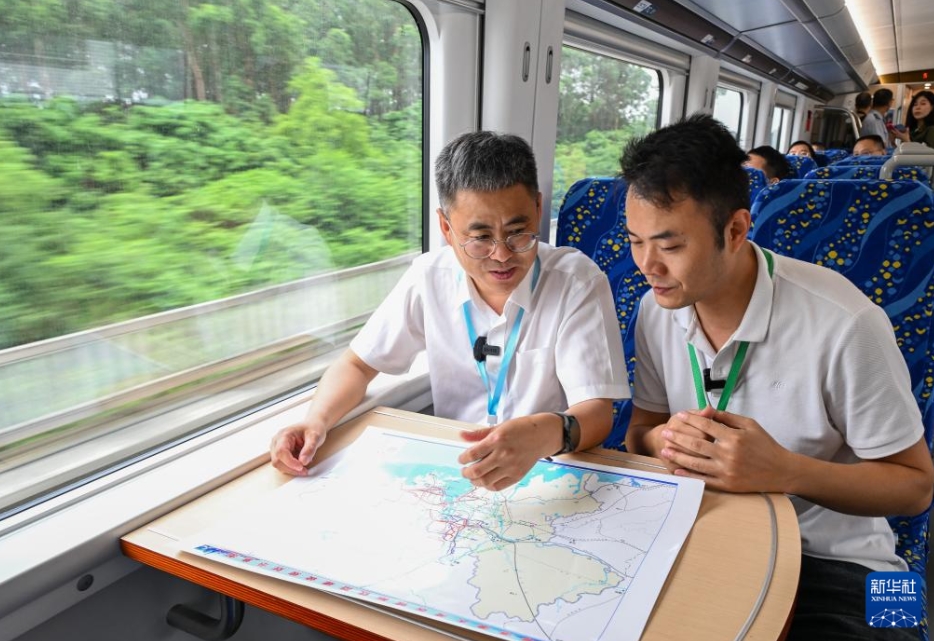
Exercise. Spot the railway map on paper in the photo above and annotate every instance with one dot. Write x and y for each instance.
(571, 552)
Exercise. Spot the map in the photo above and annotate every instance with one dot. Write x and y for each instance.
(571, 552)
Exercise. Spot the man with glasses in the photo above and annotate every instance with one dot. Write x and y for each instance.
(519, 336)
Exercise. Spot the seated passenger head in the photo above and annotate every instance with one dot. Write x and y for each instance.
(484, 161)
(869, 145)
(771, 161)
(819, 146)
(801, 148)
(695, 159)
(490, 209)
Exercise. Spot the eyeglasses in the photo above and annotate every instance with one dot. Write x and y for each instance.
(480, 248)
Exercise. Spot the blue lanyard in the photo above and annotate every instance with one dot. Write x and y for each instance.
(492, 402)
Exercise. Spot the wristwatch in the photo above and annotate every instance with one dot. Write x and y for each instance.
(571, 433)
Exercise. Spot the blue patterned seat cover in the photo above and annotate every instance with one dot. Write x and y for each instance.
(863, 160)
(800, 165)
(865, 171)
(836, 155)
(757, 182)
(592, 218)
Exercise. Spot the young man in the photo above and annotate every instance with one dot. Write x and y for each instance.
(553, 357)
(874, 122)
(771, 161)
(862, 105)
(869, 145)
(812, 395)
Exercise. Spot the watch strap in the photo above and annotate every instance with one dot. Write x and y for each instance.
(570, 431)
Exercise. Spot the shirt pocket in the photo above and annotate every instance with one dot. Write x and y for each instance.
(535, 386)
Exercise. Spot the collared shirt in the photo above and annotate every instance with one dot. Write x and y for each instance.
(823, 375)
(874, 124)
(569, 348)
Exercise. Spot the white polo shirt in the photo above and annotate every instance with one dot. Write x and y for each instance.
(823, 375)
(569, 347)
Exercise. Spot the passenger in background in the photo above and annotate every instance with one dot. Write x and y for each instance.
(548, 385)
(804, 148)
(818, 146)
(874, 122)
(869, 145)
(920, 120)
(771, 161)
(863, 105)
(801, 148)
(820, 411)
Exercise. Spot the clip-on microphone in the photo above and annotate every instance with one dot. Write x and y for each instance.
(481, 350)
(709, 383)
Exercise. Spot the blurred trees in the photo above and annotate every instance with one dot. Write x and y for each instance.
(603, 103)
(161, 153)
(156, 154)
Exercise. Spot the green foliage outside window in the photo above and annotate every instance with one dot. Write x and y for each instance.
(156, 154)
(603, 103)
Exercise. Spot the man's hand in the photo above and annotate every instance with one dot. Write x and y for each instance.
(660, 442)
(727, 451)
(502, 455)
(293, 448)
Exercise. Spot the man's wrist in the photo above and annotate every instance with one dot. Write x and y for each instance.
(570, 433)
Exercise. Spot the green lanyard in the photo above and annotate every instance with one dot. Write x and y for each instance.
(734, 368)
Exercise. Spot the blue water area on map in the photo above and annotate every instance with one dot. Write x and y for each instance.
(456, 485)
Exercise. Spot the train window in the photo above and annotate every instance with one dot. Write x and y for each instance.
(198, 207)
(780, 134)
(728, 109)
(603, 102)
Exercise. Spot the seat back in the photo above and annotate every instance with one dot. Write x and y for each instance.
(864, 171)
(834, 155)
(880, 235)
(757, 182)
(801, 165)
(863, 160)
(592, 218)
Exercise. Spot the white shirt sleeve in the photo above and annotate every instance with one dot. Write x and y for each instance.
(395, 334)
(869, 389)
(589, 350)
(650, 391)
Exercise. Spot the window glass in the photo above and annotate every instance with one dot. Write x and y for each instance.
(193, 193)
(603, 102)
(728, 109)
(780, 134)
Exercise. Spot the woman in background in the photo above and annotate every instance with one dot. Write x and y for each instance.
(920, 120)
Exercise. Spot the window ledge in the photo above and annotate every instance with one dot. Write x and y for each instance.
(56, 542)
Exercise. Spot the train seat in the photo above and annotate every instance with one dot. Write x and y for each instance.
(801, 165)
(835, 155)
(864, 171)
(880, 235)
(592, 218)
(757, 181)
(863, 160)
